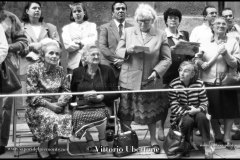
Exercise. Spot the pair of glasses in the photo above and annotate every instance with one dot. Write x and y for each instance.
(56, 53)
(143, 21)
(118, 8)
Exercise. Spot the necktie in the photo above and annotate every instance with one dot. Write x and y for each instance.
(120, 29)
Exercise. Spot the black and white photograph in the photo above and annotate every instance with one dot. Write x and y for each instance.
(119, 79)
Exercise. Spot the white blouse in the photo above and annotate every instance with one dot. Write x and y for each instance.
(85, 32)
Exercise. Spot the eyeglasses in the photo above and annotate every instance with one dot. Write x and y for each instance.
(220, 23)
(143, 20)
(118, 8)
(52, 53)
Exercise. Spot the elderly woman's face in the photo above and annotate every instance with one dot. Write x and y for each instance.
(52, 55)
(34, 11)
(173, 21)
(144, 23)
(78, 13)
(186, 73)
(219, 26)
(93, 56)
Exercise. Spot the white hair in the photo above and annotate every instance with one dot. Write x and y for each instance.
(48, 42)
(145, 11)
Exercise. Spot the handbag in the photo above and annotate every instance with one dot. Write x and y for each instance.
(10, 82)
(174, 144)
(125, 143)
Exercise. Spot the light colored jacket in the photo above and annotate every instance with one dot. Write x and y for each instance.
(138, 67)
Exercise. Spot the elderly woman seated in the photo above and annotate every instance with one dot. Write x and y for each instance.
(44, 114)
(93, 108)
(190, 105)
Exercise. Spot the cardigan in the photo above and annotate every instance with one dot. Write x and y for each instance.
(180, 99)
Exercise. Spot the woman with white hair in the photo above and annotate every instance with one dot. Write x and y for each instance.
(44, 115)
(147, 57)
(90, 78)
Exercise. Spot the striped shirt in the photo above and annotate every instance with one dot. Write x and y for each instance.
(180, 99)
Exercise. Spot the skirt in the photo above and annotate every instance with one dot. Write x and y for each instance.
(47, 125)
(223, 103)
(142, 108)
(88, 118)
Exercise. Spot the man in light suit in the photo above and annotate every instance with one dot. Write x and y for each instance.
(110, 35)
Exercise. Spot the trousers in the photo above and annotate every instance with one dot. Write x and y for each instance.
(6, 105)
(200, 121)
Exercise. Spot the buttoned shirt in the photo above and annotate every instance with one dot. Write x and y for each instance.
(117, 24)
(201, 34)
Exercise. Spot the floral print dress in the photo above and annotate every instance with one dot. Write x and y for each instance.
(43, 122)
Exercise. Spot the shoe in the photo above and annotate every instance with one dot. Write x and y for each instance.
(234, 128)
(53, 145)
(92, 148)
(229, 145)
(2, 149)
(208, 152)
(103, 146)
(156, 149)
(43, 155)
(236, 136)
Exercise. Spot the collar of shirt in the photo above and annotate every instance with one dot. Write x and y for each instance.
(169, 34)
(117, 23)
(224, 40)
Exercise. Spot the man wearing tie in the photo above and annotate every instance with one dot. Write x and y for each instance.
(110, 34)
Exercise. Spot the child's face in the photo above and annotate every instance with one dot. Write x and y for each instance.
(186, 73)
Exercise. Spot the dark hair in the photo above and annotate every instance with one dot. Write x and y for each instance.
(204, 13)
(25, 17)
(227, 9)
(113, 5)
(172, 12)
(85, 17)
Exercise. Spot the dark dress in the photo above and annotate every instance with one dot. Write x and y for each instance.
(104, 80)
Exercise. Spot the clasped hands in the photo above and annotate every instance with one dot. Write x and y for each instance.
(92, 96)
(192, 111)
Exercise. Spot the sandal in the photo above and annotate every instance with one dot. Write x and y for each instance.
(92, 148)
(229, 145)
